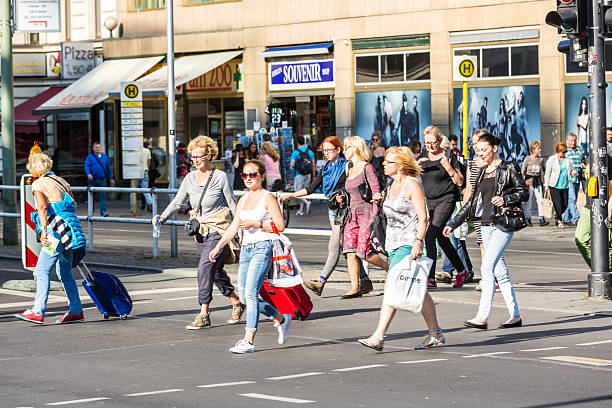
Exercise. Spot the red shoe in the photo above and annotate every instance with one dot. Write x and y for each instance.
(30, 316)
(431, 283)
(70, 318)
(460, 279)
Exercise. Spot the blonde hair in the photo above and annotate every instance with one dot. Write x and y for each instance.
(270, 150)
(433, 130)
(206, 143)
(445, 143)
(359, 145)
(405, 159)
(39, 164)
(534, 145)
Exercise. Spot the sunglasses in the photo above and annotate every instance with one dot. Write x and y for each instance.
(252, 175)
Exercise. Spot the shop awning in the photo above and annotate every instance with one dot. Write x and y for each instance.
(25, 120)
(185, 69)
(96, 86)
(311, 49)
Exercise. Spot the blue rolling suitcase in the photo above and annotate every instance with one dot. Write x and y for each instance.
(107, 292)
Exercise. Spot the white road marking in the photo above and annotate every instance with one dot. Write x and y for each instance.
(225, 384)
(286, 377)
(594, 343)
(580, 360)
(140, 394)
(166, 290)
(359, 367)
(275, 398)
(182, 298)
(113, 240)
(545, 349)
(77, 401)
(488, 354)
(545, 267)
(431, 360)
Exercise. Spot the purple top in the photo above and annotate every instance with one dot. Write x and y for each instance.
(352, 184)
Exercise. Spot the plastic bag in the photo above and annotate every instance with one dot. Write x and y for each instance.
(285, 271)
(407, 284)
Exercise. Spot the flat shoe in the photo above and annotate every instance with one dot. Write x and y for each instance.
(467, 323)
(373, 344)
(518, 323)
(357, 294)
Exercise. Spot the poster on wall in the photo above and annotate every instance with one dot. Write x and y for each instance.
(400, 116)
(577, 111)
(511, 113)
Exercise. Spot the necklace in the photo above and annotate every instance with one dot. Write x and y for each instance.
(491, 168)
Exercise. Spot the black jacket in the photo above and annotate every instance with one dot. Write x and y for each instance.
(514, 191)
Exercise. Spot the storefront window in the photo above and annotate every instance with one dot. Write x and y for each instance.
(155, 125)
(495, 62)
(367, 69)
(73, 146)
(392, 68)
(197, 118)
(233, 121)
(504, 61)
(140, 5)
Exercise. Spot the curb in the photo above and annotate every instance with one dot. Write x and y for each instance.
(104, 265)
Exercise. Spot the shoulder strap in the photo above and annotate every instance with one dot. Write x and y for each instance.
(204, 191)
(365, 176)
(100, 163)
(58, 182)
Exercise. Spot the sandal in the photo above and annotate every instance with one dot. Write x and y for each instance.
(373, 343)
(435, 338)
(560, 225)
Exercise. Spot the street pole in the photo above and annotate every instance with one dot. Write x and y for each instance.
(171, 115)
(9, 198)
(600, 278)
(465, 119)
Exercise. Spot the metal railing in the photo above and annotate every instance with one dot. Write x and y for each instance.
(90, 218)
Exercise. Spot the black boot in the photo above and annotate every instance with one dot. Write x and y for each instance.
(543, 222)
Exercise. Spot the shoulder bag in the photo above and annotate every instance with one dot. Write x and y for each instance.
(508, 219)
(378, 227)
(192, 226)
(365, 191)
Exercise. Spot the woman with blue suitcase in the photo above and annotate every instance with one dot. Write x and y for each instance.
(61, 236)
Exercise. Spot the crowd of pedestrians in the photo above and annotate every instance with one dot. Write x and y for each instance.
(431, 199)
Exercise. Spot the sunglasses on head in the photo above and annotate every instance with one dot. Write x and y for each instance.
(252, 175)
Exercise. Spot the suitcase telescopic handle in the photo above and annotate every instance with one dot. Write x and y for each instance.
(88, 277)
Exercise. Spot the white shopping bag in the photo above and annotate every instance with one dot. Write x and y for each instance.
(285, 271)
(407, 284)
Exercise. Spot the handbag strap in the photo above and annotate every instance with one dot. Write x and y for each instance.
(101, 165)
(365, 177)
(204, 191)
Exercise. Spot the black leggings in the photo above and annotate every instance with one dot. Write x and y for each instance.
(440, 211)
(559, 199)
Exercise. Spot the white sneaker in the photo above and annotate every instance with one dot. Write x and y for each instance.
(283, 329)
(308, 207)
(299, 213)
(242, 347)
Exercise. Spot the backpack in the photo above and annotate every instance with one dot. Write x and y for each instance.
(303, 164)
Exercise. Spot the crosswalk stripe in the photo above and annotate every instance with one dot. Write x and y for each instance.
(225, 384)
(581, 360)
(431, 360)
(286, 377)
(77, 401)
(359, 367)
(545, 349)
(487, 354)
(594, 343)
(140, 394)
(275, 398)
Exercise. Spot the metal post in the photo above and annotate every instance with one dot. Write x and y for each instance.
(465, 119)
(171, 115)
(599, 280)
(9, 197)
(154, 211)
(90, 212)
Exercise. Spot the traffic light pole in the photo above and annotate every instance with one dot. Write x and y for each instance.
(600, 278)
(9, 198)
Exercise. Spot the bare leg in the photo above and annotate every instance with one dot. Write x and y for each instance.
(353, 267)
(429, 313)
(386, 314)
(378, 261)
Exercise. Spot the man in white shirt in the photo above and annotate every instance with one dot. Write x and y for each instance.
(144, 181)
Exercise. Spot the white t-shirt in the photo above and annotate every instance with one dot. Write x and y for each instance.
(146, 156)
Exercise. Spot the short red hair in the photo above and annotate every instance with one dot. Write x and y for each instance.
(332, 140)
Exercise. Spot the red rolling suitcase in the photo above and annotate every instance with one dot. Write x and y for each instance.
(293, 300)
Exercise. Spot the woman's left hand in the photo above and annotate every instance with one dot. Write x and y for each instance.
(417, 250)
(498, 201)
(44, 240)
(377, 197)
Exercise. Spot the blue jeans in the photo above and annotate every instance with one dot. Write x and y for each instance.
(62, 261)
(142, 183)
(255, 262)
(447, 266)
(99, 183)
(494, 267)
(571, 213)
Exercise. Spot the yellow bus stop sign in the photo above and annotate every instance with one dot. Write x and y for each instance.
(466, 68)
(131, 91)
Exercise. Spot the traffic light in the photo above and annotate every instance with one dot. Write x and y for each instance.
(570, 17)
(575, 47)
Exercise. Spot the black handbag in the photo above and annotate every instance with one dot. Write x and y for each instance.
(378, 228)
(192, 226)
(508, 219)
(365, 191)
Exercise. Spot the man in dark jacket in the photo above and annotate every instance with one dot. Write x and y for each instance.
(99, 173)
